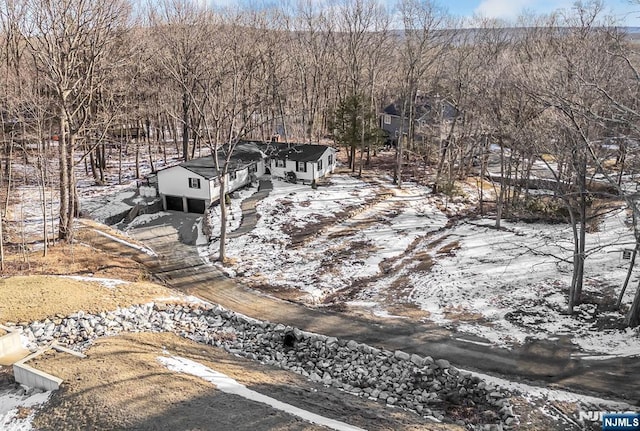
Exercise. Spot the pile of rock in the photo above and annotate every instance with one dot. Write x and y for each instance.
(427, 386)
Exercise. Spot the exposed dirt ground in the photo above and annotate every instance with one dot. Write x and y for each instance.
(29, 298)
(77, 259)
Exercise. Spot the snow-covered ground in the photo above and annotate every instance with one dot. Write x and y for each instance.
(510, 284)
(109, 283)
(505, 286)
(234, 212)
(17, 408)
(340, 254)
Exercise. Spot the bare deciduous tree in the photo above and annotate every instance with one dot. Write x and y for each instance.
(74, 46)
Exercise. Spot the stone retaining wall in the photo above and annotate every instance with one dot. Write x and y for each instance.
(429, 387)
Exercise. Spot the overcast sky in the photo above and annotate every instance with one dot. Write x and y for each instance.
(628, 12)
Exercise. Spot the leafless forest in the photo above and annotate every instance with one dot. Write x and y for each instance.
(82, 80)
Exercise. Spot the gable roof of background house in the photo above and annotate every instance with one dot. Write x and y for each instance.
(426, 108)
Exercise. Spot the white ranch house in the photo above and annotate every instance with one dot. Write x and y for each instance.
(308, 162)
(193, 185)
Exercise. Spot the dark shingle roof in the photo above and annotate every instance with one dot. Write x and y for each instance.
(203, 166)
(302, 153)
(247, 152)
(426, 109)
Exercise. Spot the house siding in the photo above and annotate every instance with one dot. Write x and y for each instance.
(326, 167)
(242, 179)
(261, 168)
(279, 172)
(312, 168)
(174, 181)
(393, 128)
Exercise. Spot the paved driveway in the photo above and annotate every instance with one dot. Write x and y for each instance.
(541, 362)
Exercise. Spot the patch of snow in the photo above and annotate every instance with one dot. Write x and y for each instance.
(26, 217)
(228, 385)
(135, 246)
(168, 299)
(551, 394)
(202, 243)
(612, 342)
(108, 205)
(106, 282)
(234, 211)
(375, 308)
(195, 300)
(11, 401)
(144, 219)
(505, 286)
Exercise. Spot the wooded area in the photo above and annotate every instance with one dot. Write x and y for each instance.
(85, 79)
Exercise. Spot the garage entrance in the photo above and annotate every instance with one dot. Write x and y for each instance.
(196, 206)
(174, 203)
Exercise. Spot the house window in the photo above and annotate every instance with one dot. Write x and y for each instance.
(233, 175)
(330, 159)
(387, 119)
(194, 183)
(301, 166)
(253, 168)
(320, 164)
(280, 163)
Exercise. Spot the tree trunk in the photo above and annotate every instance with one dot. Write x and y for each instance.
(576, 253)
(582, 234)
(223, 217)
(73, 209)
(85, 148)
(352, 158)
(633, 318)
(147, 136)
(92, 162)
(503, 186)
(137, 139)
(120, 149)
(42, 185)
(185, 126)
(400, 145)
(1, 241)
(361, 161)
(102, 163)
(628, 277)
(9, 174)
(64, 223)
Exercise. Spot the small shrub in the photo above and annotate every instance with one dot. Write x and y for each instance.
(450, 189)
(545, 207)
